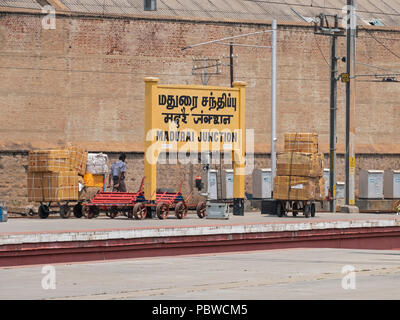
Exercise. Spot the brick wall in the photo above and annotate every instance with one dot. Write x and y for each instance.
(83, 83)
(13, 176)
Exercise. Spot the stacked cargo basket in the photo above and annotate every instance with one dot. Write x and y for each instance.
(299, 181)
(53, 176)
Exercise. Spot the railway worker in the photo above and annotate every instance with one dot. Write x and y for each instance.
(117, 173)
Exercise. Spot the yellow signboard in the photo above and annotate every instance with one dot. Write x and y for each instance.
(187, 118)
(345, 77)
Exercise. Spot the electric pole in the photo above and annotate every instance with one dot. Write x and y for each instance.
(351, 25)
(322, 27)
(231, 62)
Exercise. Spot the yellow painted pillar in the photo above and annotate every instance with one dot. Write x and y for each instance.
(150, 154)
(239, 147)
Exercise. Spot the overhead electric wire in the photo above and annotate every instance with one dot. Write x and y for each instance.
(320, 50)
(376, 67)
(382, 44)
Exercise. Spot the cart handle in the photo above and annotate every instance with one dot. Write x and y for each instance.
(180, 188)
(141, 186)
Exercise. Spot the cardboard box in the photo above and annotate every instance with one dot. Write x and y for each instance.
(301, 142)
(69, 159)
(60, 193)
(52, 186)
(300, 164)
(320, 190)
(295, 188)
(48, 160)
(35, 186)
(78, 159)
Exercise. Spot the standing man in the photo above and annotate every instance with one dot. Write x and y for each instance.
(117, 173)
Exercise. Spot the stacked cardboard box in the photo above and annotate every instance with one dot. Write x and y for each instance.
(301, 142)
(300, 169)
(78, 159)
(49, 160)
(53, 175)
(52, 186)
(300, 164)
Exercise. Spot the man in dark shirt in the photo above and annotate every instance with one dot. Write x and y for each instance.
(117, 173)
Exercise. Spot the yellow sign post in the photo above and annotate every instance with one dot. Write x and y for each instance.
(193, 118)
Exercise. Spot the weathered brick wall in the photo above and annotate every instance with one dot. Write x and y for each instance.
(13, 174)
(83, 83)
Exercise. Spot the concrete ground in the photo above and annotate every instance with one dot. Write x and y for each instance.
(261, 275)
(121, 222)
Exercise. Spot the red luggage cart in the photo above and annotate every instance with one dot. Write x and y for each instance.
(112, 203)
(166, 201)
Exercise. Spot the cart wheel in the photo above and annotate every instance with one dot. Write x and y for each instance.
(162, 210)
(140, 211)
(181, 210)
(65, 211)
(294, 208)
(43, 211)
(313, 210)
(201, 209)
(90, 212)
(78, 210)
(307, 210)
(30, 211)
(113, 212)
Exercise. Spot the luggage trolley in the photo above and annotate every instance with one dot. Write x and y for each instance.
(112, 203)
(307, 207)
(170, 200)
(64, 206)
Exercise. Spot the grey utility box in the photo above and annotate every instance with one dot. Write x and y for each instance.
(212, 184)
(391, 184)
(262, 183)
(217, 210)
(370, 184)
(227, 184)
(327, 180)
(340, 190)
